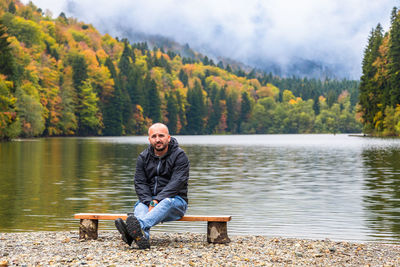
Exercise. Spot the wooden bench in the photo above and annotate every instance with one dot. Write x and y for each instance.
(217, 229)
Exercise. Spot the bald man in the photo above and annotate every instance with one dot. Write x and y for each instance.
(161, 183)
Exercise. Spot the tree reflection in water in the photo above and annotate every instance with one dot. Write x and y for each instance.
(382, 198)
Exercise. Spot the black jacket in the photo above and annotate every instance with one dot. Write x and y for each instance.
(162, 177)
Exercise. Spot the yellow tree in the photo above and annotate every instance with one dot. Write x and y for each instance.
(30, 110)
(9, 124)
(51, 100)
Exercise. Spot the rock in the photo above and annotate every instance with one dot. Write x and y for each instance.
(298, 254)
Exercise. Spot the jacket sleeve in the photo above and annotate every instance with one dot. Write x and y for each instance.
(179, 178)
(142, 186)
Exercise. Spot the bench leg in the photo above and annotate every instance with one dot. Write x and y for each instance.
(88, 229)
(217, 232)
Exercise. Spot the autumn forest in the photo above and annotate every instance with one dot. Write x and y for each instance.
(380, 80)
(61, 77)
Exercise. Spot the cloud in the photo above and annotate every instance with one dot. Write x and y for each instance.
(334, 32)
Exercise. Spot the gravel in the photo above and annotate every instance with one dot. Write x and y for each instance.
(167, 249)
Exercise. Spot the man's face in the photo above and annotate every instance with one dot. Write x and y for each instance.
(159, 138)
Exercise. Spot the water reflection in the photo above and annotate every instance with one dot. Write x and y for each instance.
(297, 191)
(44, 182)
(306, 186)
(382, 182)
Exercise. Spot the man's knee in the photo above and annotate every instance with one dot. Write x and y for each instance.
(140, 210)
(167, 200)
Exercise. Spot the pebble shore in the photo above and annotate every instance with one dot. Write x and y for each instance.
(172, 249)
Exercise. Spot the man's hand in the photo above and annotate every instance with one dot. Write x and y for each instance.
(152, 204)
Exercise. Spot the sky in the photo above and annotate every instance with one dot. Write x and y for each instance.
(333, 32)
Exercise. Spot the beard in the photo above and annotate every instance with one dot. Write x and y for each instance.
(160, 148)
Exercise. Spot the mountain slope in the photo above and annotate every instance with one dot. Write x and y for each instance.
(62, 77)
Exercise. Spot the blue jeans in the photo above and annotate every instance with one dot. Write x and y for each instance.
(169, 209)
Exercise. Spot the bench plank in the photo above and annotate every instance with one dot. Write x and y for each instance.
(100, 216)
(217, 231)
(188, 218)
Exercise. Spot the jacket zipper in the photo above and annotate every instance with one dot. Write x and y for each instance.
(156, 178)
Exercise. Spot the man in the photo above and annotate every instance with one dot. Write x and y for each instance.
(161, 183)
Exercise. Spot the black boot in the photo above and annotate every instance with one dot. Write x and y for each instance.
(121, 226)
(136, 232)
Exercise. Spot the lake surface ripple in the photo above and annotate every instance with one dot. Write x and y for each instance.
(306, 186)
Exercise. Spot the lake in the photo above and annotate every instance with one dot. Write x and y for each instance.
(339, 187)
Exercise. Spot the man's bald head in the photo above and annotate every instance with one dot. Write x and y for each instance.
(159, 125)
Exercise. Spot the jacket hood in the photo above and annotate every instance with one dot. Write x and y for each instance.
(172, 146)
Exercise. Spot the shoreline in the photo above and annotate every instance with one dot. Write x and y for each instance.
(65, 249)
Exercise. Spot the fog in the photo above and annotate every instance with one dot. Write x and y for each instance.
(331, 32)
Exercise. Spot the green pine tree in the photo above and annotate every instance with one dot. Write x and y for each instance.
(368, 96)
(79, 70)
(7, 61)
(11, 7)
(394, 59)
(231, 113)
(196, 110)
(172, 113)
(154, 101)
(181, 111)
(112, 113)
(245, 110)
(184, 78)
(215, 110)
(126, 84)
